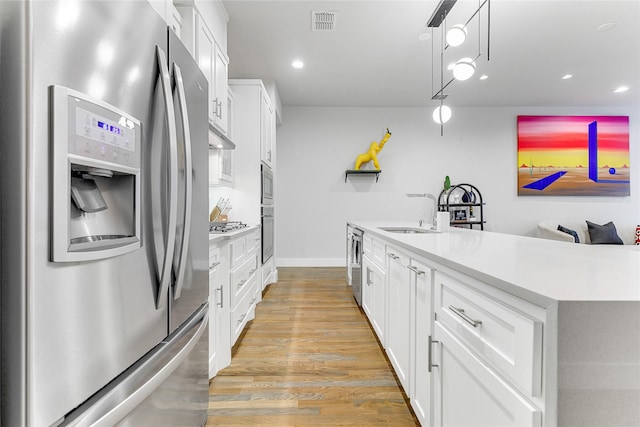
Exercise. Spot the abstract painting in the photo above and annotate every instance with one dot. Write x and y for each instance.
(573, 155)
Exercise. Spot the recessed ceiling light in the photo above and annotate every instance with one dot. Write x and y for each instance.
(621, 89)
(567, 76)
(426, 35)
(484, 77)
(297, 64)
(606, 26)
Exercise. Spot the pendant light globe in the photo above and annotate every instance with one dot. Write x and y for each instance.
(442, 114)
(456, 35)
(464, 69)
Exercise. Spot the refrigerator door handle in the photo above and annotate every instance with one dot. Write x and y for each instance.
(170, 242)
(182, 103)
(111, 408)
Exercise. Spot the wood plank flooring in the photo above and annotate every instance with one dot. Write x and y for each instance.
(309, 358)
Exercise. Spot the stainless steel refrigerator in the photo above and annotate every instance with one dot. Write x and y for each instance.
(103, 225)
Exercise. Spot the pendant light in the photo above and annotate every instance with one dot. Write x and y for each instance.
(456, 35)
(442, 114)
(464, 69)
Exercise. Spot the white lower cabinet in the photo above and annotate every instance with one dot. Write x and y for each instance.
(469, 393)
(400, 316)
(219, 302)
(233, 293)
(374, 296)
(421, 277)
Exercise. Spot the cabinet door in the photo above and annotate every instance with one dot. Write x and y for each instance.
(205, 48)
(219, 334)
(379, 285)
(400, 313)
(422, 278)
(469, 393)
(367, 288)
(266, 130)
(220, 84)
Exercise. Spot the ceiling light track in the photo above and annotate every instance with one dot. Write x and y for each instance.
(464, 68)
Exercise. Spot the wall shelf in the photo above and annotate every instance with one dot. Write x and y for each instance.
(460, 201)
(361, 172)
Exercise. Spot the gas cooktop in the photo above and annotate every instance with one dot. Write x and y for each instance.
(225, 227)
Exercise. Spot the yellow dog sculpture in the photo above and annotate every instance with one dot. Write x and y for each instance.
(372, 154)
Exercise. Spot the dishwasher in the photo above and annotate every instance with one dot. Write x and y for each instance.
(354, 262)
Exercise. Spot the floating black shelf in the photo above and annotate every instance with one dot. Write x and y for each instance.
(361, 172)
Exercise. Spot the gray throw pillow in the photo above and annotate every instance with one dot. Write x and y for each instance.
(569, 231)
(603, 234)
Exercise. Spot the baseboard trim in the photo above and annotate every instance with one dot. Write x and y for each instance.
(311, 262)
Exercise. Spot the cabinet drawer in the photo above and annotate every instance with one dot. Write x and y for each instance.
(376, 250)
(245, 310)
(253, 242)
(241, 278)
(507, 338)
(214, 257)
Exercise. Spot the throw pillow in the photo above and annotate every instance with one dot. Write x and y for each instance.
(603, 234)
(569, 231)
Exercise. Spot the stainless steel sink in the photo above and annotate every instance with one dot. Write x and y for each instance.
(407, 230)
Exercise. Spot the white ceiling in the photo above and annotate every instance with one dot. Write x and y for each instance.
(375, 58)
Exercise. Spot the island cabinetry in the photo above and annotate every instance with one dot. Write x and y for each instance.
(400, 315)
(374, 285)
(489, 369)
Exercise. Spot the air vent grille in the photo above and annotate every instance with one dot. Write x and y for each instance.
(323, 20)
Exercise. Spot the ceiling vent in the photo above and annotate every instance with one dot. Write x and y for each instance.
(323, 20)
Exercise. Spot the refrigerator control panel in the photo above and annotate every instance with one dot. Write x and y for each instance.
(103, 134)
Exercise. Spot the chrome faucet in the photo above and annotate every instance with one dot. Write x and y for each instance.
(435, 206)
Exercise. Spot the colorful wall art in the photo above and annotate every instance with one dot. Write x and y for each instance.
(573, 156)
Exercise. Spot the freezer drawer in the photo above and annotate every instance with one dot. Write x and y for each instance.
(168, 387)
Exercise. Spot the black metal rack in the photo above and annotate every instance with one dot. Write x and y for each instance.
(465, 205)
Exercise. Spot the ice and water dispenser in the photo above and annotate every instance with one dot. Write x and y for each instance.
(96, 158)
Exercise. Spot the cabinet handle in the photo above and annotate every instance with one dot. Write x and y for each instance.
(460, 312)
(415, 270)
(220, 303)
(214, 265)
(393, 256)
(219, 110)
(252, 301)
(368, 276)
(241, 318)
(430, 365)
(252, 271)
(242, 282)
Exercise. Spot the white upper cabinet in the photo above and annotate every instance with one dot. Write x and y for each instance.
(267, 130)
(208, 46)
(214, 64)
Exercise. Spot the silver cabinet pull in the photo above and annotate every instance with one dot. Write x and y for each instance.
(214, 265)
(220, 303)
(241, 318)
(393, 256)
(368, 276)
(415, 270)
(430, 365)
(463, 316)
(242, 282)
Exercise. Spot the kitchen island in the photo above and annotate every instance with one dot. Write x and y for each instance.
(514, 330)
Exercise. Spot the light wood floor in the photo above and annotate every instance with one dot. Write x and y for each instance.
(309, 358)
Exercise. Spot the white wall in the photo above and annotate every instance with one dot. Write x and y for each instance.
(316, 144)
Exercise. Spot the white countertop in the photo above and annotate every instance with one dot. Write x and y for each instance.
(232, 234)
(538, 270)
